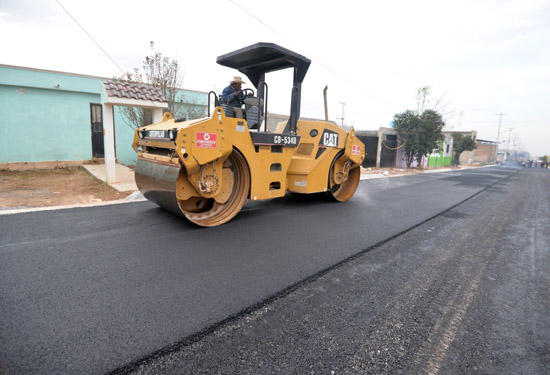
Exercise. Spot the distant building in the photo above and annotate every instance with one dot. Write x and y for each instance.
(484, 153)
(385, 150)
(382, 148)
(55, 116)
(444, 156)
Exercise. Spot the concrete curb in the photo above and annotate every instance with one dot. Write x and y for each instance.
(439, 170)
(382, 175)
(134, 197)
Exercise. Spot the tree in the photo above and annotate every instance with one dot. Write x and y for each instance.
(461, 144)
(162, 72)
(421, 133)
(425, 100)
(407, 126)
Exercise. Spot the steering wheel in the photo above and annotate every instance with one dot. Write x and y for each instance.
(244, 93)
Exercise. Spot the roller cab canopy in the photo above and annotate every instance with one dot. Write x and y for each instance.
(258, 59)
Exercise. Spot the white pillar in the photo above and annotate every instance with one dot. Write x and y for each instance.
(109, 143)
(379, 147)
(157, 115)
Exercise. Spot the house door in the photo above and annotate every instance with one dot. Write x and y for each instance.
(96, 115)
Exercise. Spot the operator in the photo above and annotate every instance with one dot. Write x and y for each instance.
(233, 96)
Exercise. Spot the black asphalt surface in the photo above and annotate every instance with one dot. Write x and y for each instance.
(467, 292)
(93, 290)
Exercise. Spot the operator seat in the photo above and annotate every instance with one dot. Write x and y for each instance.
(253, 109)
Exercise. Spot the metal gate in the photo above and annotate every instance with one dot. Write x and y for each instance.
(96, 115)
(371, 149)
(388, 152)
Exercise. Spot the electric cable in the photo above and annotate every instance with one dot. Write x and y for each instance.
(93, 40)
(324, 65)
(394, 148)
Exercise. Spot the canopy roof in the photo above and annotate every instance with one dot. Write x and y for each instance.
(260, 58)
(135, 91)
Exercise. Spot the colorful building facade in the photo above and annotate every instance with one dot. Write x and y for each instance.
(49, 116)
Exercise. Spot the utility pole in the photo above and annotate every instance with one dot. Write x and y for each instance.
(498, 134)
(509, 135)
(514, 146)
(343, 112)
(508, 147)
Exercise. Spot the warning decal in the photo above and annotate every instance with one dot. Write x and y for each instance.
(355, 150)
(206, 140)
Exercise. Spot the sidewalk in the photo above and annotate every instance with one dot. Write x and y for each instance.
(125, 180)
(384, 172)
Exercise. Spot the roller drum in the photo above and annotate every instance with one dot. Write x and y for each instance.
(157, 183)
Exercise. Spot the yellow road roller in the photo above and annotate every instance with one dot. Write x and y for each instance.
(206, 169)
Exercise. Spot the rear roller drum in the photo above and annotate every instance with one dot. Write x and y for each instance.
(209, 213)
(344, 191)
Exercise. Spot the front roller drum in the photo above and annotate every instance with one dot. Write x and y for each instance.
(207, 212)
(157, 182)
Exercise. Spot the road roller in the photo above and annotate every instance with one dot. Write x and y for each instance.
(206, 169)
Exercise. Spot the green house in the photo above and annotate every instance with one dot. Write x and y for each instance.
(55, 116)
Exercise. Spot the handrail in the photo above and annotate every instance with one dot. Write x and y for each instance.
(216, 101)
(264, 107)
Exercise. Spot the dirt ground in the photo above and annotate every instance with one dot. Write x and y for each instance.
(391, 171)
(53, 187)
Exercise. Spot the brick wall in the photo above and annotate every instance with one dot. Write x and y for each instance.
(484, 153)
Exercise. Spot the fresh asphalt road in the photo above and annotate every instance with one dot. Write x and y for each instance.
(467, 292)
(90, 290)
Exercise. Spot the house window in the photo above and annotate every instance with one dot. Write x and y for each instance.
(448, 146)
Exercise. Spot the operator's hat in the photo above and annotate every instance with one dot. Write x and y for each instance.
(237, 79)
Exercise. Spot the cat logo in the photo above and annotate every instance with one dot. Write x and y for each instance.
(329, 138)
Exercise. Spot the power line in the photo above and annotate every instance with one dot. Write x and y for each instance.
(93, 40)
(260, 21)
(324, 65)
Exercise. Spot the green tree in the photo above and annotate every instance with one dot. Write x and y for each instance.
(461, 144)
(421, 133)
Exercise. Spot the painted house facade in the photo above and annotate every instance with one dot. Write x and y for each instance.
(55, 116)
(444, 156)
(385, 150)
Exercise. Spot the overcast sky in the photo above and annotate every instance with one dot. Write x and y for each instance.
(482, 56)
